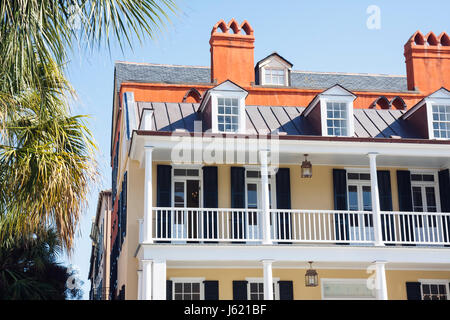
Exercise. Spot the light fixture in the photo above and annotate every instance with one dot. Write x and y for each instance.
(311, 276)
(306, 168)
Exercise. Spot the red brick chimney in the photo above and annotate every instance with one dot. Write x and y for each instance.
(428, 62)
(232, 53)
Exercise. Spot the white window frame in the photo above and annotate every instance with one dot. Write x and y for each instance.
(423, 184)
(435, 282)
(323, 281)
(272, 183)
(184, 179)
(350, 119)
(431, 120)
(189, 280)
(270, 68)
(359, 184)
(261, 280)
(273, 62)
(240, 96)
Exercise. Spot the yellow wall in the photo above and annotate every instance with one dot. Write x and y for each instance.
(396, 279)
(314, 193)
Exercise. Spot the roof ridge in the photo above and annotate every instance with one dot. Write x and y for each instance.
(159, 64)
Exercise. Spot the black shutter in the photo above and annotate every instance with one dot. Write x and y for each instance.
(286, 290)
(283, 186)
(169, 289)
(163, 199)
(385, 193)
(444, 192)
(340, 203)
(240, 290)
(211, 289)
(405, 204)
(413, 291)
(210, 200)
(238, 201)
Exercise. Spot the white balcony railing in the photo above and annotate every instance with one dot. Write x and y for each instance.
(181, 225)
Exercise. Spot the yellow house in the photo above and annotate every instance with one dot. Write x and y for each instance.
(255, 181)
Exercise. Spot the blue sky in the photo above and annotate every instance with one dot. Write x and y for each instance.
(320, 35)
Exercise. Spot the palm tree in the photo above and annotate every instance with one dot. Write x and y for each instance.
(29, 268)
(47, 159)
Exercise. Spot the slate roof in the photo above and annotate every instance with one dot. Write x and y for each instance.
(369, 123)
(355, 82)
(154, 73)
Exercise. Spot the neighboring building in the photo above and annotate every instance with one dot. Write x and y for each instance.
(225, 225)
(101, 248)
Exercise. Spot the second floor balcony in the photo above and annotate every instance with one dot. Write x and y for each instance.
(247, 226)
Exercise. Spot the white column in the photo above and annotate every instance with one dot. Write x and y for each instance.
(147, 279)
(268, 279)
(159, 280)
(381, 288)
(375, 200)
(148, 195)
(139, 294)
(265, 201)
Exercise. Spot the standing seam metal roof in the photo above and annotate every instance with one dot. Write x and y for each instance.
(267, 119)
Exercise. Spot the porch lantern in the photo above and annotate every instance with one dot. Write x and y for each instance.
(306, 168)
(311, 277)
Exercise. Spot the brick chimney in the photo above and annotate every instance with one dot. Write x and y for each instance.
(232, 53)
(428, 62)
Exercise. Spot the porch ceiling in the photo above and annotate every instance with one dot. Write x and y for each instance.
(336, 159)
(179, 264)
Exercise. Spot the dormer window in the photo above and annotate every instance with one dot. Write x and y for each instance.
(223, 109)
(431, 115)
(273, 70)
(337, 124)
(441, 121)
(275, 76)
(331, 112)
(228, 114)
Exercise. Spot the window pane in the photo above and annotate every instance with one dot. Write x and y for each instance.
(367, 199)
(353, 198)
(252, 196)
(417, 199)
(431, 199)
(179, 194)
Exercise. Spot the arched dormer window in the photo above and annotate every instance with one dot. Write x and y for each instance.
(192, 96)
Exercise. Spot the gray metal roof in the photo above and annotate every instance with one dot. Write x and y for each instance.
(154, 73)
(266, 119)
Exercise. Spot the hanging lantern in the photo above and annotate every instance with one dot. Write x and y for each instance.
(306, 168)
(311, 277)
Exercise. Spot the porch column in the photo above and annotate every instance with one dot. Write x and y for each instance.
(265, 202)
(139, 293)
(146, 279)
(375, 200)
(148, 195)
(159, 280)
(268, 279)
(380, 286)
